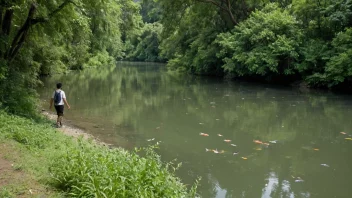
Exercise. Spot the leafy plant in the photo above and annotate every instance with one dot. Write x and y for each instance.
(90, 171)
(265, 44)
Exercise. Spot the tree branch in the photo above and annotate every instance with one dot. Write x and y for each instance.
(227, 8)
(22, 33)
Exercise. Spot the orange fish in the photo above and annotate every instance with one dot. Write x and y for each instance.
(257, 142)
(227, 140)
(343, 133)
(316, 149)
(204, 134)
(244, 158)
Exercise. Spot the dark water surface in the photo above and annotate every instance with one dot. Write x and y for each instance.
(132, 103)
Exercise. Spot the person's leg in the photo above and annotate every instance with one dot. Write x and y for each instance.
(58, 115)
(61, 114)
(58, 121)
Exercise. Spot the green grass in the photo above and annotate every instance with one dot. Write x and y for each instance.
(84, 169)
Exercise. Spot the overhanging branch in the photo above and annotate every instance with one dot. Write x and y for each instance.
(22, 33)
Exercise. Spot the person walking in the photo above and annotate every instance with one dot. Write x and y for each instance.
(59, 100)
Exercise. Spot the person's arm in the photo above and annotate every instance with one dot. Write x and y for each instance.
(65, 101)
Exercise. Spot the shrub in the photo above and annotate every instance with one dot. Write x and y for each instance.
(265, 44)
(92, 171)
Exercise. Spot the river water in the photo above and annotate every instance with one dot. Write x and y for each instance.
(286, 143)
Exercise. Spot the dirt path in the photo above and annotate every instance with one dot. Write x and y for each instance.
(73, 131)
(15, 182)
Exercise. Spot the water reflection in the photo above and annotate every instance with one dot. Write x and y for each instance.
(132, 103)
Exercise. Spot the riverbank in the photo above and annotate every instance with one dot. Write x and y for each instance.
(38, 160)
(71, 130)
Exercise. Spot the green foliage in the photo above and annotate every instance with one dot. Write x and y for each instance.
(150, 11)
(265, 44)
(145, 47)
(61, 35)
(191, 46)
(262, 39)
(99, 60)
(84, 169)
(323, 19)
(5, 193)
(27, 132)
(338, 68)
(92, 172)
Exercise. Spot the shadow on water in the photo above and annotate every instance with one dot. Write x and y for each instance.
(136, 104)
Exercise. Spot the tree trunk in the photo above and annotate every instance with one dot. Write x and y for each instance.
(6, 24)
(21, 34)
(0, 19)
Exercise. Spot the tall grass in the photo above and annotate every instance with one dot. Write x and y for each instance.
(84, 169)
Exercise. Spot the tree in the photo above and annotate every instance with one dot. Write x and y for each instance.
(266, 44)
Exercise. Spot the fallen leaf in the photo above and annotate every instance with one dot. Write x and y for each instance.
(219, 135)
(258, 149)
(233, 144)
(244, 158)
(257, 141)
(348, 138)
(316, 149)
(299, 180)
(343, 133)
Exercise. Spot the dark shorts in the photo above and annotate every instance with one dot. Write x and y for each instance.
(59, 110)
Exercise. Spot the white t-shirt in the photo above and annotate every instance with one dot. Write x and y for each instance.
(62, 96)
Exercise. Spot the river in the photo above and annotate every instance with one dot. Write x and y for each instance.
(280, 142)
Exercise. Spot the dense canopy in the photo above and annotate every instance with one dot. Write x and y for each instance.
(277, 41)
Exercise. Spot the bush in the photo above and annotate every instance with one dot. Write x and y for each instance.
(265, 44)
(90, 171)
(83, 169)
